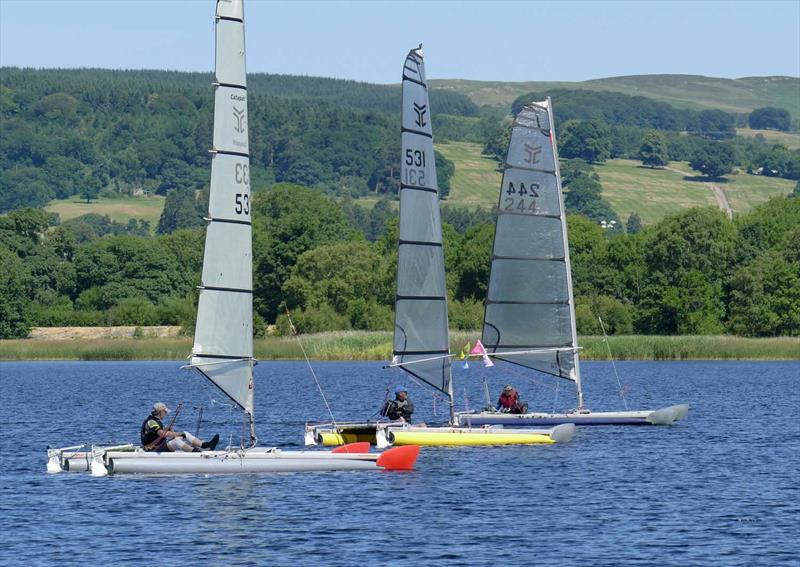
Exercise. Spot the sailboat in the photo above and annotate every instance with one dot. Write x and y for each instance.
(223, 341)
(421, 345)
(529, 318)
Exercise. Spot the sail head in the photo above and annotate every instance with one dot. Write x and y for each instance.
(529, 317)
(421, 342)
(223, 342)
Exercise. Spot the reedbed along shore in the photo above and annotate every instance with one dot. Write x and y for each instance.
(377, 345)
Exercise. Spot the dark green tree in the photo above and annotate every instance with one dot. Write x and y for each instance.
(90, 187)
(713, 159)
(474, 260)
(765, 297)
(287, 221)
(715, 125)
(444, 171)
(634, 224)
(182, 209)
(15, 319)
(688, 257)
(378, 216)
(770, 117)
(653, 151)
(586, 140)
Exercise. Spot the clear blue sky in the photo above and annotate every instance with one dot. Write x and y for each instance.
(512, 41)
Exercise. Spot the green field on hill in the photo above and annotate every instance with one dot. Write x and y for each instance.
(627, 185)
(747, 191)
(476, 180)
(655, 193)
(120, 209)
(789, 139)
(651, 193)
(682, 91)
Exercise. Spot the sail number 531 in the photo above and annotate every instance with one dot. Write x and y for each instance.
(413, 176)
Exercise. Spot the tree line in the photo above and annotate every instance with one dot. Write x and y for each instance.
(80, 132)
(596, 126)
(696, 272)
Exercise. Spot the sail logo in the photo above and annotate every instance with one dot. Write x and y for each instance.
(532, 153)
(421, 109)
(239, 116)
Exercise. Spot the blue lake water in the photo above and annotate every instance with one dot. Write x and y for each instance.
(719, 488)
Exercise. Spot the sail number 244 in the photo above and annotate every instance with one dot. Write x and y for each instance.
(413, 176)
(521, 199)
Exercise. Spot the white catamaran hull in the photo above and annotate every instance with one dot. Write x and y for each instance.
(129, 459)
(663, 416)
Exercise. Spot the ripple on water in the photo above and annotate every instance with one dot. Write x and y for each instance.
(719, 488)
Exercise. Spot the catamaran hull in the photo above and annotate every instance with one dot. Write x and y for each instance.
(330, 435)
(664, 416)
(472, 437)
(355, 457)
(228, 464)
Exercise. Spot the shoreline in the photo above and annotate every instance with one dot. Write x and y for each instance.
(377, 346)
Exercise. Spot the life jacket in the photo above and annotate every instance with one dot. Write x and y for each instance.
(149, 432)
(395, 409)
(510, 400)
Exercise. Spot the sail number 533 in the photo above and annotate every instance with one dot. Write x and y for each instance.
(242, 203)
(242, 174)
(242, 200)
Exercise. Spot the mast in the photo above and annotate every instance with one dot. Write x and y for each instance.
(421, 344)
(529, 318)
(223, 340)
(577, 377)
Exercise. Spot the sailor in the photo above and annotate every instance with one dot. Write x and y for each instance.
(400, 408)
(509, 401)
(155, 437)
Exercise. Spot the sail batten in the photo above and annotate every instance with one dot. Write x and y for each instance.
(223, 341)
(529, 304)
(421, 300)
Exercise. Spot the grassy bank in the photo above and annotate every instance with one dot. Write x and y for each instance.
(354, 345)
(121, 209)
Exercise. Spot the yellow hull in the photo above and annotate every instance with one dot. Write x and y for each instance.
(334, 439)
(466, 438)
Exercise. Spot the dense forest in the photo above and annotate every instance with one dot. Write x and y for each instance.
(317, 145)
(89, 131)
(693, 273)
(80, 132)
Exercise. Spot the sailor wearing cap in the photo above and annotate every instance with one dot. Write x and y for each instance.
(400, 408)
(155, 437)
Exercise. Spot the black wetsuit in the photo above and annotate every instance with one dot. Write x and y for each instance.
(395, 409)
(149, 432)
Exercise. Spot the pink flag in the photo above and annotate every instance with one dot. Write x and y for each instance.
(479, 349)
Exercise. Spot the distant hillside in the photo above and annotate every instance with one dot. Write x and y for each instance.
(685, 91)
(629, 187)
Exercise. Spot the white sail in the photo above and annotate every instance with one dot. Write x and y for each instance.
(530, 312)
(421, 343)
(223, 340)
